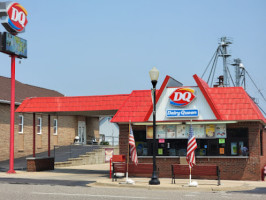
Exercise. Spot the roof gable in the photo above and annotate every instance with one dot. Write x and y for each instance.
(134, 108)
(230, 103)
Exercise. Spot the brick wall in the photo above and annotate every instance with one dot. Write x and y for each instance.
(231, 168)
(67, 129)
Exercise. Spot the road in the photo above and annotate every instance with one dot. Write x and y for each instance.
(14, 190)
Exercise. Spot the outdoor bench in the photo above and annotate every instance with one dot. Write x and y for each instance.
(141, 168)
(197, 170)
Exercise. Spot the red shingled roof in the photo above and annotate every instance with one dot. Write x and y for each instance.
(135, 108)
(72, 104)
(230, 103)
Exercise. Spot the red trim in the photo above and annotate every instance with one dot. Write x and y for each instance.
(207, 96)
(158, 95)
(33, 135)
(12, 116)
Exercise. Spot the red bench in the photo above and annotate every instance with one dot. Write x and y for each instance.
(141, 168)
(197, 170)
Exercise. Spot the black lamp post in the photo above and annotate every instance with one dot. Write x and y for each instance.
(154, 74)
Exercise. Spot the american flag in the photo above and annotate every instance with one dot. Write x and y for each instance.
(191, 147)
(133, 151)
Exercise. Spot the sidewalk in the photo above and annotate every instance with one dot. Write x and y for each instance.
(98, 176)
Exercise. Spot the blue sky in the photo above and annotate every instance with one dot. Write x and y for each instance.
(95, 47)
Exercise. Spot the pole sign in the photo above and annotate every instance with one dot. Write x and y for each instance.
(13, 17)
(13, 45)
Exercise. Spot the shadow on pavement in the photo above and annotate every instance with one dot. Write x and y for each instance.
(258, 190)
(103, 173)
(44, 182)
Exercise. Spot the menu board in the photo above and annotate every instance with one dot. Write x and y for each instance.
(149, 132)
(210, 131)
(160, 131)
(220, 131)
(170, 131)
(181, 131)
(198, 131)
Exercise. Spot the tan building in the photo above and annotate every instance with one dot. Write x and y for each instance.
(63, 129)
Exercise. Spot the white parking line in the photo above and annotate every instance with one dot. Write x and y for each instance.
(90, 195)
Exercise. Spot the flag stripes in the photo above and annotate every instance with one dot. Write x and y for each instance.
(133, 151)
(191, 147)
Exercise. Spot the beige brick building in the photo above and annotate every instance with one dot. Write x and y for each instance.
(62, 135)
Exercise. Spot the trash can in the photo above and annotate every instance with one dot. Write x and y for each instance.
(76, 139)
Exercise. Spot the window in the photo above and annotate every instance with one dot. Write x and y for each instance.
(234, 144)
(39, 125)
(20, 123)
(55, 126)
(237, 142)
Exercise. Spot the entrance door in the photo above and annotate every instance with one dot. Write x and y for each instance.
(82, 132)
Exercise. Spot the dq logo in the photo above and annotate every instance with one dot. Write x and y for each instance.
(15, 17)
(182, 97)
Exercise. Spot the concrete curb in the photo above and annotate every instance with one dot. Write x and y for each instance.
(173, 187)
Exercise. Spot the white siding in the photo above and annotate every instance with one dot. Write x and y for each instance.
(200, 103)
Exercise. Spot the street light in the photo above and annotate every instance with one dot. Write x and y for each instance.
(154, 74)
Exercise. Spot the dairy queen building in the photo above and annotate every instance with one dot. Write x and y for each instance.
(228, 126)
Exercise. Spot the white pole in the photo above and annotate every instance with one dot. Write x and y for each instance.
(189, 175)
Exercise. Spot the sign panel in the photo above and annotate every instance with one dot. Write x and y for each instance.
(182, 113)
(14, 45)
(220, 131)
(161, 140)
(14, 17)
(182, 97)
(108, 154)
(210, 130)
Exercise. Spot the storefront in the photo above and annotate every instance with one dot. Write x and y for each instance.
(227, 124)
(229, 127)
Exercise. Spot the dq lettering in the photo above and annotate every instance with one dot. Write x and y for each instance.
(185, 96)
(18, 16)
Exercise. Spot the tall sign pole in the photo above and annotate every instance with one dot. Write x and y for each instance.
(14, 18)
(12, 115)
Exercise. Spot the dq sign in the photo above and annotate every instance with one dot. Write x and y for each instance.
(14, 17)
(182, 97)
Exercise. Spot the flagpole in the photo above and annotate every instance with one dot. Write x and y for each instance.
(128, 148)
(189, 163)
(189, 175)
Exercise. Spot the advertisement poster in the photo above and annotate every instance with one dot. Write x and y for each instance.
(170, 131)
(181, 131)
(139, 147)
(160, 151)
(221, 141)
(149, 132)
(221, 150)
(233, 148)
(160, 132)
(210, 130)
(108, 154)
(198, 130)
(220, 131)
